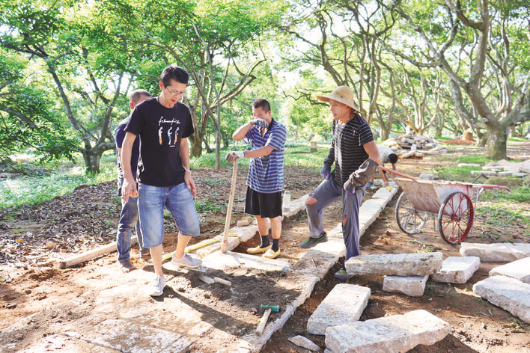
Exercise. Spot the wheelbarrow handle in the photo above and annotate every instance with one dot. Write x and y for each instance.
(392, 171)
(486, 186)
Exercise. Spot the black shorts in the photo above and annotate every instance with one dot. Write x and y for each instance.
(263, 205)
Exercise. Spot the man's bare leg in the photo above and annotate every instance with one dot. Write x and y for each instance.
(156, 255)
(181, 245)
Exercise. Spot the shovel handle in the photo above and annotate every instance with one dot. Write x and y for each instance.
(224, 244)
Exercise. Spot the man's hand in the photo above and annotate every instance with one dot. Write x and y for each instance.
(259, 123)
(128, 189)
(232, 156)
(190, 183)
(325, 171)
(349, 187)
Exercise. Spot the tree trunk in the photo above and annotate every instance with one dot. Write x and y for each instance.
(496, 143)
(196, 145)
(92, 161)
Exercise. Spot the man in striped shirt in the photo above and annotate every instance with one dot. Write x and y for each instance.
(265, 174)
(355, 155)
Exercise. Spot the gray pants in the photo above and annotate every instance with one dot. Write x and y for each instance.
(327, 192)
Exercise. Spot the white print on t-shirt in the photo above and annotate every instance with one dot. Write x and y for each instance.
(171, 141)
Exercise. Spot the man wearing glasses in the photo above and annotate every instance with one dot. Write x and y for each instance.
(164, 177)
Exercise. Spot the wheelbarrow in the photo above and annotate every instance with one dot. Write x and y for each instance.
(449, 202)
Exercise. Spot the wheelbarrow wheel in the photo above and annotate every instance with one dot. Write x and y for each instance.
(455, 218)
(409, 219)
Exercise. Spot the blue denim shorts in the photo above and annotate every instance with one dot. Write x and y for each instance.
(178, 200)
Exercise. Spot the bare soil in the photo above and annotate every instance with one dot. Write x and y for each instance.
(30, 281)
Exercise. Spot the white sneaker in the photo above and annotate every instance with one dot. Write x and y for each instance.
(186, 261)
(157, 287)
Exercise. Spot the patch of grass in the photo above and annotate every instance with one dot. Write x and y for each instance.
(470, 158)
(517, 139)
(482, 302)
(214, 181)
(500, 214)
(518, 194)
(34, 190)
(206, 206)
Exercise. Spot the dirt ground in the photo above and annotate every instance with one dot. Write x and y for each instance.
(34, 239)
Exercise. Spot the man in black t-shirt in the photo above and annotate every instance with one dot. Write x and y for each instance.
(164, 178)
(355, 155)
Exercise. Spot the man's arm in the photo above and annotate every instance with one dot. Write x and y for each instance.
(185, 158)
(373, 152)
(129, 185)
(241, 132)
(259, 152)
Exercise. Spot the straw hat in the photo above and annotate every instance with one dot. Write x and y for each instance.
(341, 94)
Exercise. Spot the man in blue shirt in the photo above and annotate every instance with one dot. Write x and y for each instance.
(129, 210)
(265, 174)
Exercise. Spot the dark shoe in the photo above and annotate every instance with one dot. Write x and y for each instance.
(342, 274)
(310, 242)
(127, 267)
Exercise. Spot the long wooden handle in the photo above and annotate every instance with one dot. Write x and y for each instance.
(263, 321)
(224, 245)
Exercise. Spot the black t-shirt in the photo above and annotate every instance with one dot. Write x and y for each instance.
(347, 149)
(160, 130)
(135, 154)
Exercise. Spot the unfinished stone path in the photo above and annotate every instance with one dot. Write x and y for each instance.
(398, 333)
(395, 264)
(519, 269)
(508, 293)
(496, 252)
(116, 315)
(457, 269)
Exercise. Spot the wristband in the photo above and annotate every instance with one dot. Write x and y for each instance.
(187, 170)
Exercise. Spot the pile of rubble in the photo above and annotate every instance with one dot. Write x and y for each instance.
(411, 141)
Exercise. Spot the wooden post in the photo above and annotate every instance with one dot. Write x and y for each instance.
(313, 146)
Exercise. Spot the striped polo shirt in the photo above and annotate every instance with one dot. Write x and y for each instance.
(347, 151)
(265, 174)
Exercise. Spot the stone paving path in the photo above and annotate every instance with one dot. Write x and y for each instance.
(117, 317)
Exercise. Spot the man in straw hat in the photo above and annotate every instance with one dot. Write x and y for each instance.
(356, 157)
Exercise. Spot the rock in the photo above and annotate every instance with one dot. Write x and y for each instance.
(504, 173)
(343, 305)
(50, 245)
(508, 293)
(304, 343)
(519, 175)
(483, 172)
(409, 285)
(243, 223)
(457, 269)
(503, 162)
(492, 164)
(525, 166)
(427, 176)
(395, 264)
(468, 165)
(397, 333)
(206, 279)
(496, 252)
(519, 269)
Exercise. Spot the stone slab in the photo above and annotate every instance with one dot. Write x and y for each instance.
(343, 305)
(519, 269)
(397, 333)
(496, 252)
(468, 165)
(304, 343)
(135, 339)
(409, 285)
(504, 173)
(483, 172)
(457, 269)
(508, 293)
(427, 176)
(219, 261)
(317, 262)
(519, 175)
(395, 264)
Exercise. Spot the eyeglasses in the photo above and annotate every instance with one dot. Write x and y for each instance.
(176, 94)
